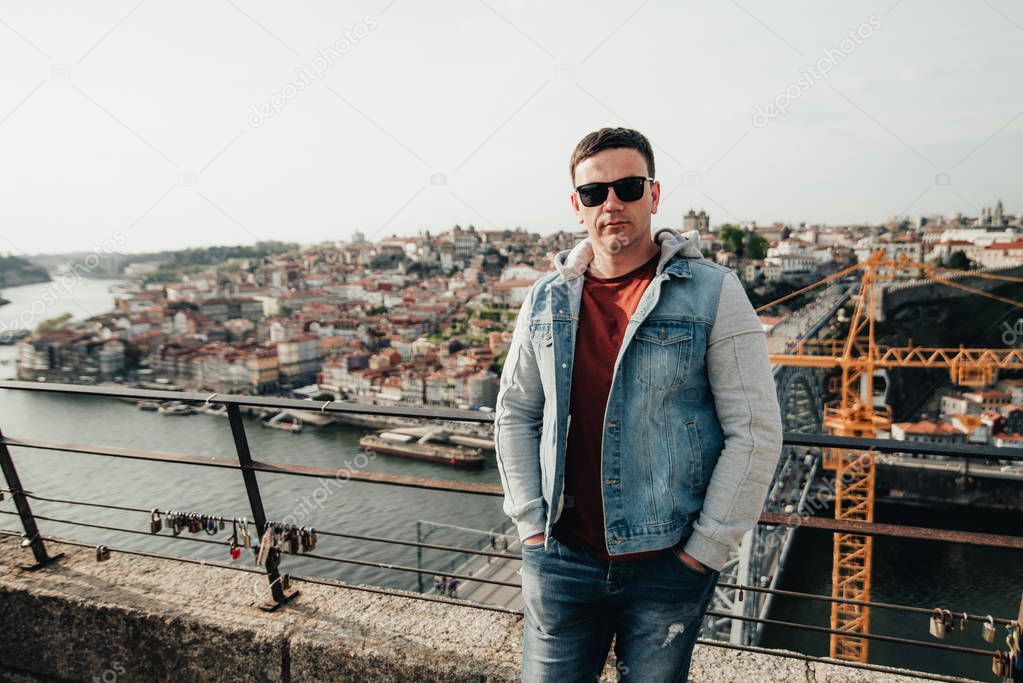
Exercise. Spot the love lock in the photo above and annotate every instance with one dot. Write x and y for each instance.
(937, 628)
(1000, 664)
(102, 553)
(989, 629)
(948, 620)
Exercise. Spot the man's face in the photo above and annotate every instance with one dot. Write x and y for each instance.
(616, 226)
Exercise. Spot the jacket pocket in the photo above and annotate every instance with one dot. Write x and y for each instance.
(663, 346)
(541, 335)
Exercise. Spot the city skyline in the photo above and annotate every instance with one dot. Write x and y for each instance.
(241, 122)
(700, 222)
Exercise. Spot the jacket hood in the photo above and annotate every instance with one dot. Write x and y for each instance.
(574, 262)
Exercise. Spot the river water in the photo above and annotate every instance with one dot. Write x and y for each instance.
(916, 573)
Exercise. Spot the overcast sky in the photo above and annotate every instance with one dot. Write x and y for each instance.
(146, 118)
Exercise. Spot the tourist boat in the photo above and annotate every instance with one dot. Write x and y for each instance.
(176, 408)
(406, 445)
(147, 405)
(8, 337)
(282, 420)
(445, 437)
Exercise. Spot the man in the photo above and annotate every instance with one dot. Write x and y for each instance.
(637, 431)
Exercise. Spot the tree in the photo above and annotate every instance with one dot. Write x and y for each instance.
(497, 367)
(53, 323)
(958, 260)
(756, 247)
(490, 315)
(387, 261)
(732, 237)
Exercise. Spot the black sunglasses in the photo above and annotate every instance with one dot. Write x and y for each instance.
(627, 189)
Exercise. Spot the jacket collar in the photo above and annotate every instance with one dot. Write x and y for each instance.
(676, 250)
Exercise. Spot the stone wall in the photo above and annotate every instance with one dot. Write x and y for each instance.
(142, 619)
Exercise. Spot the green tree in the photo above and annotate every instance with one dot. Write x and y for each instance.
(53, 323)
(498, 365)
(732, 237)
(958, 260)
(756, 246)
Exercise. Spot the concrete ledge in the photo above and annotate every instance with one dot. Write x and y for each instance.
(136, 618)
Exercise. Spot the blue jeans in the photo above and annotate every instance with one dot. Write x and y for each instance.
(575, 602)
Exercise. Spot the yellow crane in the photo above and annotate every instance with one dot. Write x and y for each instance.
(854, 414)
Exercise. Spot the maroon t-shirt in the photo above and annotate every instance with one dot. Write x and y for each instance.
(607, 304)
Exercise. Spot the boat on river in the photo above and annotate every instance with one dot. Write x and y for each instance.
(9, 337)
(176, 408)
(283, 420)
(408, 446)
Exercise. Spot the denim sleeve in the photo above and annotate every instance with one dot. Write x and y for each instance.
(518, 419)
(742, 383)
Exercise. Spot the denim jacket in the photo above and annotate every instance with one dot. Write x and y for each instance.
(692, 430)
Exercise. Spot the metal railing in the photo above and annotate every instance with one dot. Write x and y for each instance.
(280, 585)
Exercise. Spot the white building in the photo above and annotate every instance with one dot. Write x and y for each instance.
(892, 248)
(1001, 254)
(522, 271)
(981, 236)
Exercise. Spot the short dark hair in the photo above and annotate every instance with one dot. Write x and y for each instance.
(612, 138)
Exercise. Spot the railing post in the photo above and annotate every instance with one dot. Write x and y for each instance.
(419, 555)
(278, 592)
(28, 522)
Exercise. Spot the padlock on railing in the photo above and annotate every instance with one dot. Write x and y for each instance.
(937, 627)
(1000, 664)
(989, 629)
(964, 619)
(949, 620)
